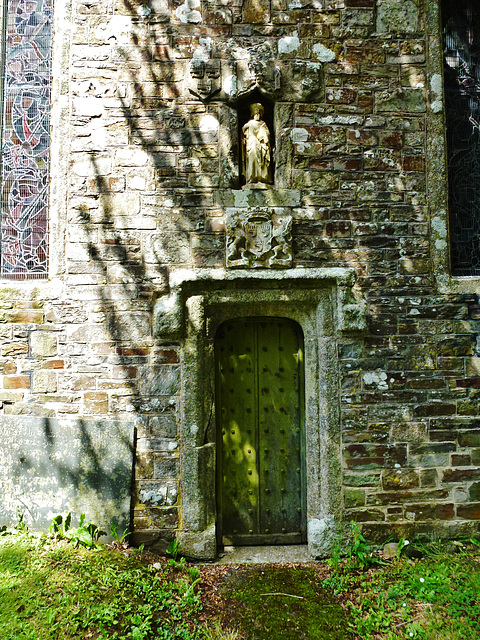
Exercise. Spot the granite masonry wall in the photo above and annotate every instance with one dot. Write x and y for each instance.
(145, 172)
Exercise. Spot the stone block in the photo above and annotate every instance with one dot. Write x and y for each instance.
(95, 402)
(44, 381)
(365, 515)
(460, 494)
(201, 545)
(163, 518)
(429, 460)
(167, 315)
(434, 409)
(397, 16)
(457, 346)
(51, 466)
(16, 382)
(322, 534)
(7, 368)
(435, 511)
(361, 479)
(474, 492)
(163, 445)
(144, 465)
(428, 478)
(11, 396)
(53, 364)
(401, 99)
(461, 459)
(358, 18)
(405, 496)
(25, 316)
(354, 497)
(468, 407)
(394, 479)
(14, 349)
(460, 475)
(472, 366)
(157, 494)
(469, 511)
(469, 438)
(161, 380)
(163, 426)
(371, 456)
(166, 468)
(43, 344)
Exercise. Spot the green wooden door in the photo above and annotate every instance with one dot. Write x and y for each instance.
(260, 461)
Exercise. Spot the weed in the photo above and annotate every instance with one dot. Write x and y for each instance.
(52, 589)
(217, 633)
(431, 596)
(49, 589)
(119, 538)
(86, 534)
(173, 551)
(20, 524)
(360, 550)
(173, 548)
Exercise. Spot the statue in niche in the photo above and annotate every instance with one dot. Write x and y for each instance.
(256, 149)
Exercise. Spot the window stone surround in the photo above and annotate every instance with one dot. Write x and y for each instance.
(436, 161)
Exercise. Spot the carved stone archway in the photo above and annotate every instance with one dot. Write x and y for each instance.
(318, 300)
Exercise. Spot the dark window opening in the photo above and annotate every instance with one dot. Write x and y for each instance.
(461, 42)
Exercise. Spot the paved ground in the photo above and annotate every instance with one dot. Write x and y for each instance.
(254, 555)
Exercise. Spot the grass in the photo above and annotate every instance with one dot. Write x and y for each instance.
(433, 597)
(50, 589)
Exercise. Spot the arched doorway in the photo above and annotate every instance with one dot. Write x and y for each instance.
(261, 485)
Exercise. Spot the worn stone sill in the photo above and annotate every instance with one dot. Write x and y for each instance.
(43, 288)
(455, 284)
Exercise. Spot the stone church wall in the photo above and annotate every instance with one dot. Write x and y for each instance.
(145, 179)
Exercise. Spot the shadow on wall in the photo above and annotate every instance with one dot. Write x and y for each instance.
(146, 166)
(52, 466)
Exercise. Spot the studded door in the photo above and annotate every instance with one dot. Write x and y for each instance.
(261, 474)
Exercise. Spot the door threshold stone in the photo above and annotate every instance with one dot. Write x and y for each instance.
(264, 554)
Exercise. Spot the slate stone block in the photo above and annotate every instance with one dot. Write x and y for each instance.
(52, 466)
(469, 511)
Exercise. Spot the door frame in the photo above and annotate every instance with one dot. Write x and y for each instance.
(322, 303)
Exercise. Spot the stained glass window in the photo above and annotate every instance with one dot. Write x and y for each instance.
(461, 32)
(26, 138)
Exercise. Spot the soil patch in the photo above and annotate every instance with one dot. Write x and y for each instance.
(281, 601)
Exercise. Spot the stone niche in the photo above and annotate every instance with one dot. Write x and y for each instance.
(256, 74)
(321, 302)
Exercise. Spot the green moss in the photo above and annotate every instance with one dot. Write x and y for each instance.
(285, 603)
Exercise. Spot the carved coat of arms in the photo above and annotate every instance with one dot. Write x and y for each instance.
(258, 239)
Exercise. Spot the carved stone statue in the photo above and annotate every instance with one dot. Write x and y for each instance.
(256, 149)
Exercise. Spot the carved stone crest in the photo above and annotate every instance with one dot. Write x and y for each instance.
(205, 78)
(258, 238)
